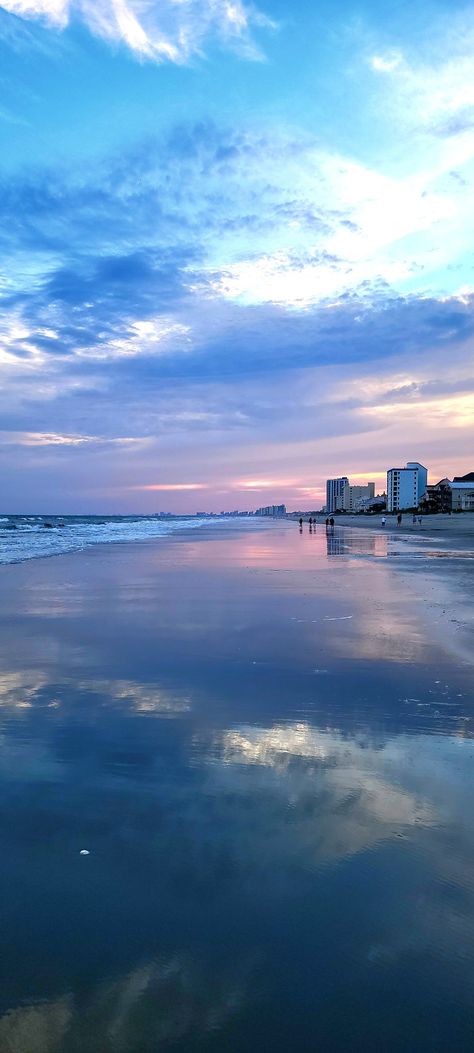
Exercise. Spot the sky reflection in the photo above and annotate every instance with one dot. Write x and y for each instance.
(270, 766)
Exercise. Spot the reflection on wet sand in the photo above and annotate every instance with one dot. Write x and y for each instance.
(270, 765)
(159, 1002)
(36, 1028)
(338, 793)
(141, 698)
(32, 689)
(19, 689)
(344, 543)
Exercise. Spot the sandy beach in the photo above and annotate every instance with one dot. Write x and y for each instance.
(457, 528)
(262, 743)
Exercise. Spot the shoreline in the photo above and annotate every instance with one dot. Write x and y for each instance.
(436, 579)
(207, 528)
(457, 527)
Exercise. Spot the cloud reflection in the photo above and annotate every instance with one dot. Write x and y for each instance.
(33, 690)
(142, 698)
(20, 689)
(338, 798)
(164, 1000)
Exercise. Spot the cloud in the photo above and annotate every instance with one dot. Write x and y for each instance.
(191, 291)
(157, 30)
(105, 279)
(429, 83)
(264, 484)
(386, 63)
(171, 486)
(208, 213)
(457, 411)
(150, 336)
(32, 438)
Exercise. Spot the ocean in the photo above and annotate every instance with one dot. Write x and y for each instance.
(36, 536)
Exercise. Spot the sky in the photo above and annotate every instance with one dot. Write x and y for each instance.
(236, 250)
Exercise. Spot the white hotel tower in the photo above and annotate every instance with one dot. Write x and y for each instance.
(336, 490)
(406, 486)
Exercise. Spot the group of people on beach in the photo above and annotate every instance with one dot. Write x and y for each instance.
(416, 519)
(312, 522)
(330, 522)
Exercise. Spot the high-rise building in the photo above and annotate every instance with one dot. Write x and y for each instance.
(336, 494)
(342, 497)
(271, 510)
(406, 486)
(359, 495)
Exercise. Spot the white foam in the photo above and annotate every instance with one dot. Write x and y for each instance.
(32, 540)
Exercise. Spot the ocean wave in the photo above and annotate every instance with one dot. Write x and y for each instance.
(34, 537)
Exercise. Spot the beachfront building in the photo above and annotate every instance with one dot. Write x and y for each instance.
(378, 503)
(337, 497)
(271, 510)
(406, 486)
(450, 496)
(437, 497)
(342, 497)
(462, 497)
(359, 496)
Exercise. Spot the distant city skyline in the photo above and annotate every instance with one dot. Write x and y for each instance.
(236, 250)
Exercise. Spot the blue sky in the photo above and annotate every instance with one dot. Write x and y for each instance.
(237, 249)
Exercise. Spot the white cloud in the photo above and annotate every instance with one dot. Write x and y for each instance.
(54, 11)
(386, 63)
(150, 336)
(364, 221)
(160, 30)
(16, 336)
(453, 411)
(41, 438)
(432, 80)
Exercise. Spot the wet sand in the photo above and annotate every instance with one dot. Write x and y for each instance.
(435, 570)
(267, 751)
(457, 528)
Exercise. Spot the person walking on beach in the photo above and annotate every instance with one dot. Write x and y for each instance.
(301, 523)
(383, 521)
(399, 519)
(331, 522)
